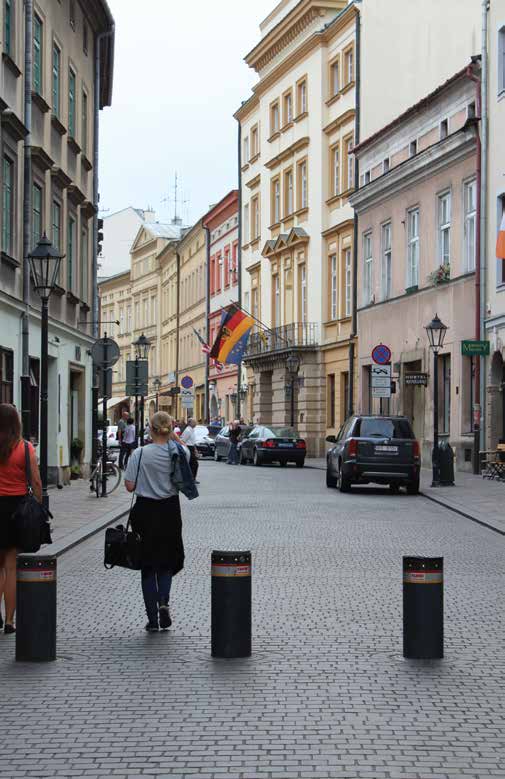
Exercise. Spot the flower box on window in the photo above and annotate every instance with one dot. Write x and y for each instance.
(440, 275)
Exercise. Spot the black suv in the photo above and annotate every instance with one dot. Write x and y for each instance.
(375, 449)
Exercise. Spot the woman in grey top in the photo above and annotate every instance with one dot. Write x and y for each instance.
(156, 517)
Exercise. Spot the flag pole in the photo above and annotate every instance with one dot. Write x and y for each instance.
(263, 325)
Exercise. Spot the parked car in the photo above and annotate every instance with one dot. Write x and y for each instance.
(222, 441)
(273, 444)
(377, 449)
(204, 443)
(112, 442)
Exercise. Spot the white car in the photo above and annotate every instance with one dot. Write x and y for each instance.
(112, 442)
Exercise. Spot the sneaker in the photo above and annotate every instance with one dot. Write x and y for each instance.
(152, 627)
(9, 629)
(165, 618)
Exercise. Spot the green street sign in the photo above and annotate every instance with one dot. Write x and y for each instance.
(475, 348)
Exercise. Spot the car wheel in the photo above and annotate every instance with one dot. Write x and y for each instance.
(242, 459)
(282, 463)
(216, 456)
(395, 488)
(300, 463)
(343, 482)
(413, 487)
(331, 481)
(257, 459)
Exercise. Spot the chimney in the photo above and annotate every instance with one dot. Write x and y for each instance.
(149, 214)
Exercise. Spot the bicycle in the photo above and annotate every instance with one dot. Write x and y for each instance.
(113, 477)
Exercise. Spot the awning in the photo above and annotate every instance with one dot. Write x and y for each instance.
(114, 401)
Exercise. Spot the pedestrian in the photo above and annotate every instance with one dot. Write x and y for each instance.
(156, 517)
(234, 439)
(121, 427)
(189, 438)
(129, 440)
(13, 488)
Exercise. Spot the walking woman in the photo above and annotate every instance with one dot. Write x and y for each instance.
(13, 487)
(156, 517)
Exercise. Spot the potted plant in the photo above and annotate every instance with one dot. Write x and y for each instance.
(440, 275)
(75, 472)
(76, 448)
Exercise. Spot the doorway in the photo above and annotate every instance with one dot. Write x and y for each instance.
(413, 399)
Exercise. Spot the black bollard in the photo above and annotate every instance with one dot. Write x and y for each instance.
(423, 607)
(231, 604)
(36, 608)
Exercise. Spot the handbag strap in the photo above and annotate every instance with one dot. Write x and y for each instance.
(28, 469)
(134, 488)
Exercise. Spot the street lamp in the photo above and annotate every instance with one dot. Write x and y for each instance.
(436, 332)
(293, 366)
(44, 264)
(157, 385)
(142, 346)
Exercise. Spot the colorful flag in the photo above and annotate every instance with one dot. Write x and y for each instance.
(500, 243)
(232, 337)
(205, 346)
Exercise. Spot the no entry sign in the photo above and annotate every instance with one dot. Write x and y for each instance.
(381, 354)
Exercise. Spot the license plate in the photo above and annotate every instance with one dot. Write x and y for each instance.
(285, 446)
(388, 449)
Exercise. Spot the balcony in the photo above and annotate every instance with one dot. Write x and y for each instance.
(297, 335)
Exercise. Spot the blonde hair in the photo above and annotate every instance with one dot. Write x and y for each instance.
(162, 423)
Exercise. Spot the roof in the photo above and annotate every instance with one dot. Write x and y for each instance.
(105, 279)
(162, 230)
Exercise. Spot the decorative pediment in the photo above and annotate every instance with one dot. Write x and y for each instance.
(268, 247)
(274, 246)
(143, 237)
(297, 235)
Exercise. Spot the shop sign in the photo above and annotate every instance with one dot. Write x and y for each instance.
(416, 379)
(475, 348)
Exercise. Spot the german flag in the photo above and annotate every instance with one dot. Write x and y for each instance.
(232, 337)
(500, 241)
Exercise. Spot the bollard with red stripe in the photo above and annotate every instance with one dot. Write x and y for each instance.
(231, 604)
(423, 608)
(36, 608)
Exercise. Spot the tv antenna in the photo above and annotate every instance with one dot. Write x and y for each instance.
(175, 199)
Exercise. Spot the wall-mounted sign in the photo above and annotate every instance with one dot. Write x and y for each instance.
(381, 354)
(416, 379)
(475, 348)
(381, 380)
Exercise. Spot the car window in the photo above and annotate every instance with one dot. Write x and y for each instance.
(254, 432)
(377, 427)
(341, 431)
(225, 431)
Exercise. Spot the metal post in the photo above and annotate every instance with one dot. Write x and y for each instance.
(44, 343)
(94, 417)
(434, 454)
(231, 604)
(36, 608)
(157, 401)
(104, 436)
(423, 607)
(136, 420)
(292, 401)
(142, 420)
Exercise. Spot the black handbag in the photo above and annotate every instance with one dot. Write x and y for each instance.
(123, 547)
(31, 519)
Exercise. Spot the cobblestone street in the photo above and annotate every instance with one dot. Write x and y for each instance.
(326, 693)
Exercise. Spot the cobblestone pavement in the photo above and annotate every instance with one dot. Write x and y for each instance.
(326, 693)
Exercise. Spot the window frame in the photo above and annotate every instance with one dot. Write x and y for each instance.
(84, 121)
(38, 55)
(335, 169)
(72, 114)
(501, 60)
(246, 150)
(6, 375)
(333, 267)
(302, 188)
(274, 112)
(302, 302)
(255, 217)
(37, 194)
(276, 300)
(276, 200)
(287, 107)
(8, 204)
(246, 224)
(335, 85)
(254, 141)
(413, 247)
(8, 27)
(469, 217)
(302, 96)
(348, 58)
(56, 79)
(84, 264)
(386, 260)
(367, 267)
(348, 146)
(71, 246)
(347, 269)
(443, 227)
(288, 175)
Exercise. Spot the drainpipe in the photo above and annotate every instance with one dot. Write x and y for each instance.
(27, 213)
(207, 323)
(239, 252)
(484, 211)
(478, 241)
(354, 323)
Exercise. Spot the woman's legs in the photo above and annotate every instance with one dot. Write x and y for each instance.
(8, 582)
(150, 593)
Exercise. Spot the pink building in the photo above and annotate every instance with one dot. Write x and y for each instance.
(416, 211)
(222, 224)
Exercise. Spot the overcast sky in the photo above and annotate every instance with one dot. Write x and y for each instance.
(179, 76)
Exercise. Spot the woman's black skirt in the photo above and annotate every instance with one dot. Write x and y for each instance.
(8, 505)
(159, 524)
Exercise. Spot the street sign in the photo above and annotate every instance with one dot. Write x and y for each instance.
(381, 392)
(186, 382)
(137, 377)
(171, 392)
(381, 354)
(475, 348)
(105, 352)
(381, 375)
(416, 379)
(187, 398)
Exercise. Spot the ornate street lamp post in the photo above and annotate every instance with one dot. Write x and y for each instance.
(436, 332)
(45, 264)
(142, 346)
(293, 366)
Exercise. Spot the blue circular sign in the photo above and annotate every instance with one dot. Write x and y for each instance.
(186, 382)
(381, 354)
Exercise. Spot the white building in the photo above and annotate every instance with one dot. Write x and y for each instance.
(119, 231)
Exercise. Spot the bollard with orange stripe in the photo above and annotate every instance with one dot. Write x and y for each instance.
(36, 608)
(423, 607)
(231, 604)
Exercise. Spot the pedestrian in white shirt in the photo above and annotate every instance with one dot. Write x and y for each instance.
(189, 438)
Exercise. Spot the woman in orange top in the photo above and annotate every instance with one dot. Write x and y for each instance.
(13, 488)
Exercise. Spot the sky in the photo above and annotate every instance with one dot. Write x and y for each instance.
(179, 76)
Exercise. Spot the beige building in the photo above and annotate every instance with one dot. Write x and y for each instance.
(416, 212)
(297, 133)
(70, 41)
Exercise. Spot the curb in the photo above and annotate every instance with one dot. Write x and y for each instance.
(81, 535)
(463, 514)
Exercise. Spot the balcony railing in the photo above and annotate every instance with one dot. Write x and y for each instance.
(295, 335)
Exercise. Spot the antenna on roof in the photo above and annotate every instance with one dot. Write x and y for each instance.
(176, 219)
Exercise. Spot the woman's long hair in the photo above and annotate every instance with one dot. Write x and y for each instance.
(10, 430)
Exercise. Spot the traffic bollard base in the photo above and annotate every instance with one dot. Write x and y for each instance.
(231, 612)
(423, 608)
(36, 609)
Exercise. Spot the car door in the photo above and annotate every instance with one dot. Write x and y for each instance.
(223, 442)
(248, 444)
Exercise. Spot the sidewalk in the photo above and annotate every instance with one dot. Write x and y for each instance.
(476, 498)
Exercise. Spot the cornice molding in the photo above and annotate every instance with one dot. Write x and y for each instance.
(301, 143)
(339, 121)
(253, 183)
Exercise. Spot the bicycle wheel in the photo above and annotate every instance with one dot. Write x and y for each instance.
(113, 477)
(98, 480)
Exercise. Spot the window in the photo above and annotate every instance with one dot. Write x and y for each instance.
(276, 200)
(246, 149)
(146, 312)
(136, 323)
(70, 253)
(71, 13)
(303, 293)
(8, 29)
(7, 204)
(367, 269)
(37, 55)
(367, 177)
(500, 264)
(274, 118)
(330, 384)
(333, 286)
(254, 141)
(121, 321)
(303, 197)
(56, 225)
(335, 171)
(444, 128)
(386, 260)
(85, 36)
(71, 103)
(470, 110)
(246, 223)
(413, 248)
(227, 267)
(276, 300)
(470, 224)
(153, 309)
(84, 265)
(287, 104)
(255, 218)
(501, 60)
(56, 79)
(349, 145)
(334, 77)
(413, 148)
(347, 282)
(349, 66)
(36, 214)
(301, 97)
(444, 228)
(385, 165)
(129, 319)
(84, 126)
(234, 255)
(6, 376)
(288, 192)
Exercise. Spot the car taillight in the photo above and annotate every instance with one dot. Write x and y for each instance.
(353, 447)
(417, 450)
(111, 435)
(268, 444)
(300, 445)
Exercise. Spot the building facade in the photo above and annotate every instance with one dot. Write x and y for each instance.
(60, 201)
(119, 231)
(416, 212)
(297, 171)
(221, 224)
